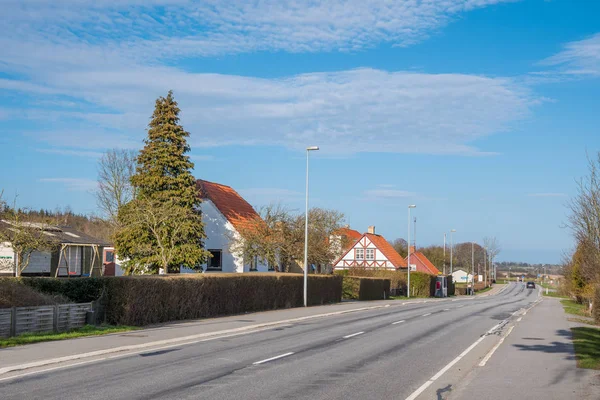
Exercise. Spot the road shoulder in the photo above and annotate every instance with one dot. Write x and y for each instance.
(536, 361)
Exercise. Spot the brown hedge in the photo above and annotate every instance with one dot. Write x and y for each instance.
(143, 300)
(14, 294)
(362, 288)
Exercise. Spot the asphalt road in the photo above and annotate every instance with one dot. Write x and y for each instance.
(383, 353)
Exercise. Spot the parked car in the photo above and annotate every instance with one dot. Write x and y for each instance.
(530, 285)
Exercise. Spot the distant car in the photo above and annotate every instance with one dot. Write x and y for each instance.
(530, 285)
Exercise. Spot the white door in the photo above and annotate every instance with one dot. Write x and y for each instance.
(39, 262)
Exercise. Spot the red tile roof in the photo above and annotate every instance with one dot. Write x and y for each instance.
(387, 249)
(423, 263)
(350, 234)
(233, 207)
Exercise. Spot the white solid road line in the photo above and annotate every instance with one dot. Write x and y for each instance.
(354, 334)
(426, 315)
(491, 353)
(423, 387)
(520, 318)
(446, 309)
(273, 358)
(397, 322)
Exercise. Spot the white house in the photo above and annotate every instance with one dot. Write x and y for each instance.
(461, 276)
(225, 213)
(370, 251)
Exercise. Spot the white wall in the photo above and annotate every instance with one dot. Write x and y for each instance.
(218, 233)
(461, 276)
(365, 243)
(7, 259)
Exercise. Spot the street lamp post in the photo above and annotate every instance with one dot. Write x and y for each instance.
(451, 249)
(408, 258)
(444, 253)
(308, 150)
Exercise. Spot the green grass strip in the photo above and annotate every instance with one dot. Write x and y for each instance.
(88, 330)
(572, 307)
(587, 347)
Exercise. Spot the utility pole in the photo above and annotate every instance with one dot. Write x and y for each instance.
(472, 268)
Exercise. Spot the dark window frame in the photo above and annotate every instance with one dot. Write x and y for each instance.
(208, 264)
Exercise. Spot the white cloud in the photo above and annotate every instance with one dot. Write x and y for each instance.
(362, 110)
(168, 28)
(578, 58)
(109, 58)
(73, 184)
(547, 195)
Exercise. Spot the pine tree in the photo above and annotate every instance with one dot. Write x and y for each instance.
(162, 227)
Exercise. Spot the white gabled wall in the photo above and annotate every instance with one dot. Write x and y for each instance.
(218, 232)
(363, 243)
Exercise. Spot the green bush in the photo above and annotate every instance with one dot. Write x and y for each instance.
(397, 278)
(143, 300)
(77, 290)
(362, 288)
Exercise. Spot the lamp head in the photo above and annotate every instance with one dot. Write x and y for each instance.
(312, 148)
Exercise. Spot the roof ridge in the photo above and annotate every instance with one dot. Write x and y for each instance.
(214, 183)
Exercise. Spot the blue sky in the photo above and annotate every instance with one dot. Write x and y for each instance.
(479, 111)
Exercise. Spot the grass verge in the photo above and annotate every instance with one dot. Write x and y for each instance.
(572, 307)
(88, 330)
(587, 347)
(554, 294)
(587, 321)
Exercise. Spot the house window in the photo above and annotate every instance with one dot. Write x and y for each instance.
(110, 257)
(254, 264)
(215, 263)
(360, 254)
(370, 254)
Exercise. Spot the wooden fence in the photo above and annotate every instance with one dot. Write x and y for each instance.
(64, 317)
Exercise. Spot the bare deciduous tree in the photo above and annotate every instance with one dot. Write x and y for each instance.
(584, 222)
(167, 226)
(277, 237)
(115, 169)
(492, 249)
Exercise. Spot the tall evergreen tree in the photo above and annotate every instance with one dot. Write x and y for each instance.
(162, 227)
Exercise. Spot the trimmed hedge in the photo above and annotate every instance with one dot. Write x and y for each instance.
(422, 285)
(15, 294)
(462, 290)
(361, 288)
(143, 300)
(596, 309)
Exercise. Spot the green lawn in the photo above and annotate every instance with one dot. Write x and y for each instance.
(88, 330)
(572, 307)
(554, 294)
(587, 347)
(483, 290)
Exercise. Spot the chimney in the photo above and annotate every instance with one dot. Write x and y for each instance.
(412, 249)
(347, 226)
(371, 229)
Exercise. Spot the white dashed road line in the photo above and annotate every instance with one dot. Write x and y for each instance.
(354, 334)
(273, 358)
